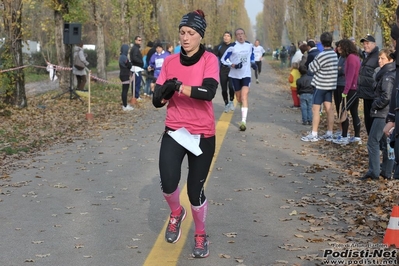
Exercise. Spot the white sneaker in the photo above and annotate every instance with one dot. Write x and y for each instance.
(310, 138)
(341, 141)
(337, 134)
(257, 81)
(327, 137)
(127, 108)
(355, 139)
(227, 108)
(232, 108)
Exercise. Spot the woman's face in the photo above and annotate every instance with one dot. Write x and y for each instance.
(339, 50)
(383, 59)
(190, 40)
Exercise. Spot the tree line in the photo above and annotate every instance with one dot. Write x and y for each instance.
(302, 19)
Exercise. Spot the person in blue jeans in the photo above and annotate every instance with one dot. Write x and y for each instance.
(305, 93)
(377, 140)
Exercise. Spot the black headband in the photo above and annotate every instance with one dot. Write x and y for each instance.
(194, 21)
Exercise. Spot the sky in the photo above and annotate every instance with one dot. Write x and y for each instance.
(253, 8)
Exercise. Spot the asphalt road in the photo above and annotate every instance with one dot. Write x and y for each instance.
(98, 201)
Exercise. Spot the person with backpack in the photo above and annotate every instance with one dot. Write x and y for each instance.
(80, 63)
(283, 57)
(124, 76)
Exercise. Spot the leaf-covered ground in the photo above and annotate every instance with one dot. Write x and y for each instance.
(47, 121)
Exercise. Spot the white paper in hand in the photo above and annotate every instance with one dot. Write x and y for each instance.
(188, 141)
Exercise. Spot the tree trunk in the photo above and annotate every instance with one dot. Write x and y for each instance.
(98, 8)
(13, 53)
(100, 49)
(63, 51)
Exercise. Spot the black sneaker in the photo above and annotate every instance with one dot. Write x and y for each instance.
(200, 246)
(367, 177)
(173, 231)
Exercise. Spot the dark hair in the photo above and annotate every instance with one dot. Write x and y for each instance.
(229, 33)
(168, 45)
(303, 47)
(303, 69)
(326, 39)
(347, 48)
(137, 36)
(311, 44)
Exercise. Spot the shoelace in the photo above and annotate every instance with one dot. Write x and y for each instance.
(199, 241)
(172, 223)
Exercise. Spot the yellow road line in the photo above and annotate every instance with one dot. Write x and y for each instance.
(163, 253)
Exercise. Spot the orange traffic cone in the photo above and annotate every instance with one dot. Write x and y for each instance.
(392, 234)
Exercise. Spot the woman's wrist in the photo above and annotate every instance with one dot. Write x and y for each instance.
(181, 89)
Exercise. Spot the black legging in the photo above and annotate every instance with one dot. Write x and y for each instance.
(170, 161)
(352, 104)
(125, 88)
(258, 68)
(224, 82)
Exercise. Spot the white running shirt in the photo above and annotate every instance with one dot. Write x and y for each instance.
(258, 52)
(239, 53)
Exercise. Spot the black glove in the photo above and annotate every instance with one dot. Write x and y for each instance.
(172, 84)
(238, 66)
(169, 87)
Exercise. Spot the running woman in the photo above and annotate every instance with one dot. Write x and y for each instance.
(187, 84)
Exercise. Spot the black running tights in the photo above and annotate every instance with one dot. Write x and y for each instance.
(170, 162)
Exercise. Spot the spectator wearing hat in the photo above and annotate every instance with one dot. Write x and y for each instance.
(365, 88)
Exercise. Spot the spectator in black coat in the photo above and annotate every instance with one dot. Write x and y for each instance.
(365, 88)
(137, 61)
